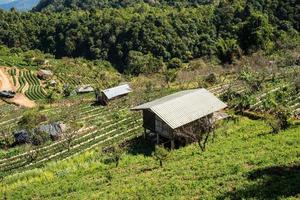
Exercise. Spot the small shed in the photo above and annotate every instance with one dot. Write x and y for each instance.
(166, 115)
(84, 89)
(44, 74)
(112, 93)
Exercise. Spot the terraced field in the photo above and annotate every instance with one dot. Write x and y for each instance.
(28, 84)
(103, 126)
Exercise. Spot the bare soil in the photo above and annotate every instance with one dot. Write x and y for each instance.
(7, 84)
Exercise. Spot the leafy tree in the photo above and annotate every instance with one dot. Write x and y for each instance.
(227, 49)
(140, 63)
(256, 33)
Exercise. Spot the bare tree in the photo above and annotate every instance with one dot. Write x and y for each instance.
(32, 153)
(70, 133)
(198, 131)
(6, 136)
(73, 126)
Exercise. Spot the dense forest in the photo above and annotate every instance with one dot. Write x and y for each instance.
(60, 5)
(153, 32)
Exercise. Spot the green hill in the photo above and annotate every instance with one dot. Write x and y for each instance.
(244, 161)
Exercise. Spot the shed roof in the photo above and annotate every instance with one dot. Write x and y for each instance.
(117, 91)
(184, 107)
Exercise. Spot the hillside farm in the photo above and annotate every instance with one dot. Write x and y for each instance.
(105, 126)
(150, 99)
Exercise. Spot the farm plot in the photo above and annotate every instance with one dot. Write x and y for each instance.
(35, 91)
(27, 83)
(102, 125)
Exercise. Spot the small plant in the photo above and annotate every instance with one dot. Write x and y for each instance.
(244, 101)
(117, 154)
(160, 154)
(32, 153)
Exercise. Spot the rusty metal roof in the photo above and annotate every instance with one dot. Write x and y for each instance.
(117, 91)
(184, 107)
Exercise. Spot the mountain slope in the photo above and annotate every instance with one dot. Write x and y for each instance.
(21, 5)
(244, 162)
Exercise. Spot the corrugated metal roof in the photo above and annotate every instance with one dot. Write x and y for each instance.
(184, 107)
(117, 91)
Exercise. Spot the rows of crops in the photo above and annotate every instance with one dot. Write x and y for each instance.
(292, 101)
(22, 82)
(102, 125)
(75, 81)
(13, 73)
(34, 91)
(14, 61)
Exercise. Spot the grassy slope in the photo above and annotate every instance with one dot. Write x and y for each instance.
(243, 161)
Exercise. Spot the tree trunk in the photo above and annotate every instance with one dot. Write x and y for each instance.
(160, 163)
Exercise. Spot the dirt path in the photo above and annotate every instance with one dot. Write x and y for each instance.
(5, 83)
(20, 99)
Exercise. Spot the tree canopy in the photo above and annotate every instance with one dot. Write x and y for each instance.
(160, 31)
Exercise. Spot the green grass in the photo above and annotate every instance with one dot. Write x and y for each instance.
(244, 161)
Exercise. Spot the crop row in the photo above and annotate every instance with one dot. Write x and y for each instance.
(35, 92)
(13, 72)
(22, 83)
(79, 144)
(76, 81)
(93, 116)
(30, 78)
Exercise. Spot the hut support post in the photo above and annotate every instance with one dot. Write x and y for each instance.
(145, 133)
(157, 138)
(172, 144)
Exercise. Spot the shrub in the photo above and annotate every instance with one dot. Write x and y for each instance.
(31, 119)
(211, 78)
(40, 137)
(277, 119)
(175, 63)
(170, 76)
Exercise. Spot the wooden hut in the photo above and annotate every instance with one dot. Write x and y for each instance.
(107, 95)
(174, 112)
